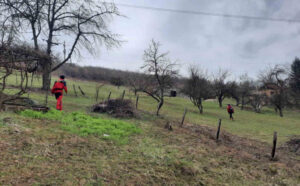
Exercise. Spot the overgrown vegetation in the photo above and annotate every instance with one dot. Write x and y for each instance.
(84, 125)
(184, 156)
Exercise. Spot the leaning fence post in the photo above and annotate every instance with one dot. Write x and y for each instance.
(183, 117)
(123, 95)
(137, 102)
(274, 145)
(109, 96)
(81, 91)
(219, 128)
(75, 90)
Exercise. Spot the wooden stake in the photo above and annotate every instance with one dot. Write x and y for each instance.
(97, 93)
(81, 91)
(123, 95)
(183, 117)
(75, 90)
(137, 102)
(16, 78)
(109, 96)
(219, 128)
(274, 145)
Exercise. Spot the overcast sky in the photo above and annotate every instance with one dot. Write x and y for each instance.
(241, 46)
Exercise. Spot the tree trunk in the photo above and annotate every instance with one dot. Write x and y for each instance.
(161, 103)
(220, 102)
(243, 102)
(237, 101)
(200, 109)
(46, 76)
(280, 112)
(34, 36)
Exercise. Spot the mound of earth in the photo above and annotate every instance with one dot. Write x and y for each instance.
(115, 107)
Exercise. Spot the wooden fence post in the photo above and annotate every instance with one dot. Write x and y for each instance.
(137, 102)
(75, 90)
(109, 96)
(97, 93)
(183, 117)
(81, 91)
(16, 78)
(123, 95)
(274, 145)
(219, 128)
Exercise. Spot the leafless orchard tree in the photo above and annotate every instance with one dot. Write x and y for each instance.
(161, 73)
(257, 101)
(246, 88)
(198, 88)
(83, 21)
(276, 77)
(136, 82)
(220, 86)
(233, 91)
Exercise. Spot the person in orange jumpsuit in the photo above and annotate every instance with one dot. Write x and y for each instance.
(230, 111)
(57, 89)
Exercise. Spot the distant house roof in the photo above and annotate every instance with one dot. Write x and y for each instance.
(269, 86)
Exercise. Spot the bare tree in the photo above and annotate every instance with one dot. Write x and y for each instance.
(83, 21)
(276, 78)
(257, 101)
(246, 88)
(161, 73)
(198, 88)
(220, 86)
(135, 82)
(234, 91)
(29, 11)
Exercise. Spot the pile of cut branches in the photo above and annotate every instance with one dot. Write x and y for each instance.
(115, 107)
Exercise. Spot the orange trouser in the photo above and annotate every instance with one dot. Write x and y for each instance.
(59, 101)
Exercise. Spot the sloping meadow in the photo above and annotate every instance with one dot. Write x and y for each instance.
(84, 125)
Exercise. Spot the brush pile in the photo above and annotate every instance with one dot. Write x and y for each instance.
(23, 103)
(294, 145)
(116, 107)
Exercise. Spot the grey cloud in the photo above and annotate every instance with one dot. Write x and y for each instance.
(212, 42)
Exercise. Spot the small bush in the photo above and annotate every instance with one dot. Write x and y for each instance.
(84, 125)
(117, 81)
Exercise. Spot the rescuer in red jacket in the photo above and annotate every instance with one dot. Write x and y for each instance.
(57, 90)
(230, 111)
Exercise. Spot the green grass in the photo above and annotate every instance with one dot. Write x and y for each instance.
(84, 125)
(69, 147)
(247, 123)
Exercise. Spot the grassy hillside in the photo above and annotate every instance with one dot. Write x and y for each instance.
(71, 149)
(247, 123)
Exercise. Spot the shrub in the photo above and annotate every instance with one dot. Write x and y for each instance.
(117, 81)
